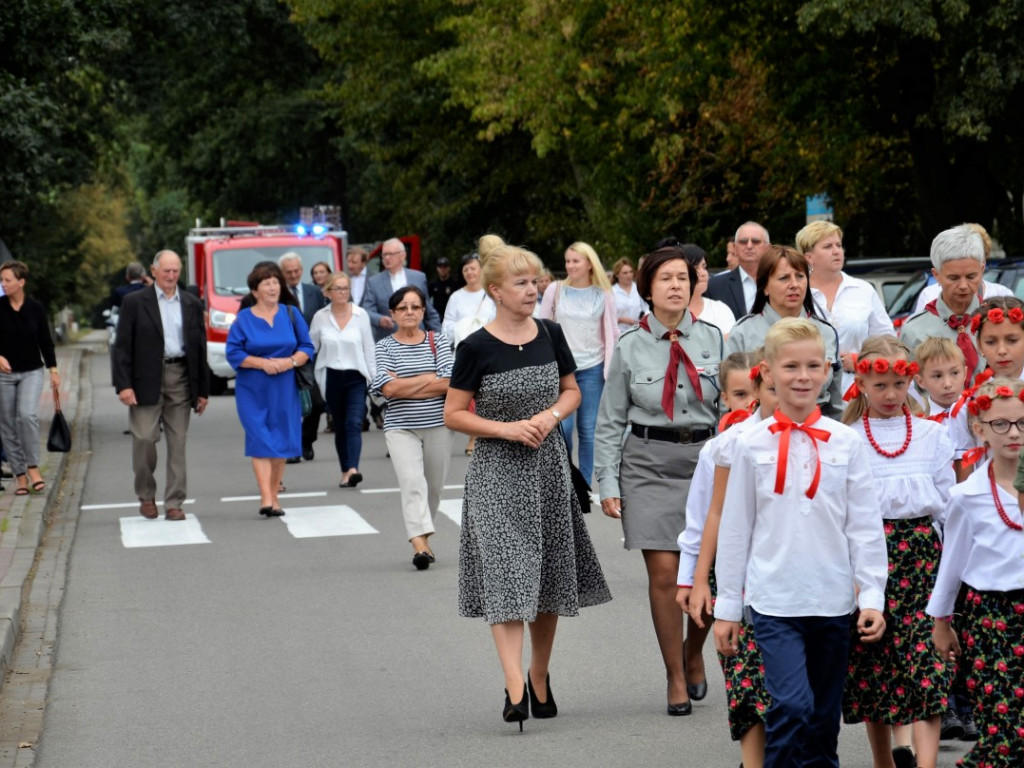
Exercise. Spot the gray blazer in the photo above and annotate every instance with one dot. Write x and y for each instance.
(378, 293)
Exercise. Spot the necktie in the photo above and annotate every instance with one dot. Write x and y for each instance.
(786, 426)
(676, 356)
(961, 324)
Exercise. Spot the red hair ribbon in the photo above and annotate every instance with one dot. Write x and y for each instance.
(732, 418)
(973, 456)
(786, 426)
(755, 372)
(852, 393)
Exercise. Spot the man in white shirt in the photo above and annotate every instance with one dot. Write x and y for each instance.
(738, 287)
(356, 262)
(380, 287)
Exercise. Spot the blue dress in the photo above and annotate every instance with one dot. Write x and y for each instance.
(268, 406)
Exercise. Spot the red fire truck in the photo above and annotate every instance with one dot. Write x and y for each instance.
(221, 258)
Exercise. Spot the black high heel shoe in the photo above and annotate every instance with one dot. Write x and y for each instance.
(516, 713)
(541, 709)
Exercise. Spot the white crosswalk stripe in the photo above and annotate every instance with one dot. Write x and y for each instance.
(312, 522)
(140, 532)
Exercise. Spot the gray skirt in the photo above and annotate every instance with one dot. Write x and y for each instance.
(654, 478)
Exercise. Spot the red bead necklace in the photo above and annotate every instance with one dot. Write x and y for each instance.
(999, 505)
(906, 443)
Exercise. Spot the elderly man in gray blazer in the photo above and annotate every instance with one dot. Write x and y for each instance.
(380, 287)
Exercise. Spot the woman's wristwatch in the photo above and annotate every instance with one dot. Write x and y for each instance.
(556, 414)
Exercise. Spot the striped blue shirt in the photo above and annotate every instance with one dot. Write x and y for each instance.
(404, 360)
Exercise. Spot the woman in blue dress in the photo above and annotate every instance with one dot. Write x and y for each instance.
(266, 343)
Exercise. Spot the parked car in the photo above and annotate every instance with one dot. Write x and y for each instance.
(888, 284)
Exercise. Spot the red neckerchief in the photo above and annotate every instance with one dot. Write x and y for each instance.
(786, 425)
(961, 324)
(939, 417)
(676, 356)
(732, 418)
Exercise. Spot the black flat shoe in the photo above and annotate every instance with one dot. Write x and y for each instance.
(680, 710)
(516, 713)
(697, 691)
(275, 513)
(355, 479)
(421, 560)
(541, 709)
(266, 511)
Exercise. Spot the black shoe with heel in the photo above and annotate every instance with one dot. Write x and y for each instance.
(541, 709)
(517, 713)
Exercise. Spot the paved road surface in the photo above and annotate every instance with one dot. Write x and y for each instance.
(272, 644)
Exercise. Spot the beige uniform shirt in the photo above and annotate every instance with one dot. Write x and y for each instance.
(924, 325)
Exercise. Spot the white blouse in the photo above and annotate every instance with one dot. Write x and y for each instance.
(463, 304)
(579, 313)
(343, 349)
(628, 305)
(978, 547)
(917, 482)
(856, 313)
(718, 313)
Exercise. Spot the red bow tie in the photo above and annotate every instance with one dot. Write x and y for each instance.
(676, 356)
(786, 426)
(732, 418)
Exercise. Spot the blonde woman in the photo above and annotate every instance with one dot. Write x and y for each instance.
(525, 556)
(585, 308)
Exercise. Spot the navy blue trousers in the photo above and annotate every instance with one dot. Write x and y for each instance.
(805, 660)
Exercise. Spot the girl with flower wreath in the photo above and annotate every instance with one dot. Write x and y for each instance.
(984, 552)
(745, 690)
(998, 327)
(900, 680)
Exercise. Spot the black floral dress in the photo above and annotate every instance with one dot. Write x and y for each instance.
(524, 546)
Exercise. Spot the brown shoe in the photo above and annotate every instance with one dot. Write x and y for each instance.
(148, 509)
(174, 514)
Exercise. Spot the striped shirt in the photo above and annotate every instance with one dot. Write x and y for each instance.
(397, 360)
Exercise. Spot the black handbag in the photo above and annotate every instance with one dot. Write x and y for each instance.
(304, 378)
(59, 440)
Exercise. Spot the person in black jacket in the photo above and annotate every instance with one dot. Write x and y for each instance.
(737, 287)
(25, 346)
(160, 372)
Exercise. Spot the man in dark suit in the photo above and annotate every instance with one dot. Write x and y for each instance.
(310, 300)
(738, 287)
(135, 280)
(380, 287)
(160, 372)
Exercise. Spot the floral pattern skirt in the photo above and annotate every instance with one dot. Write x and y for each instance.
(901, 679)
(745, 691)
(992, 646)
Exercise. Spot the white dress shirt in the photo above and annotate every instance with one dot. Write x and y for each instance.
(787, 555)
(344, 349)
(718, 313)
(698, 500)
(978, 547)
(463, 304)
(358, 284)
(749, 289)
(857, 312)
(917, 482)
(398, 280)
(628, 305)
(170, 317)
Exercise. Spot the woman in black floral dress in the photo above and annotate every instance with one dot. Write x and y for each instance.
(525, 555)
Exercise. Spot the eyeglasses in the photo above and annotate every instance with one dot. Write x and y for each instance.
(392, 253)
(751, 240)
(1002, 426)
(407, 308)
(339, 289)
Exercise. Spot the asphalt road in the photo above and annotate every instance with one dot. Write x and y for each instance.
(260, 648)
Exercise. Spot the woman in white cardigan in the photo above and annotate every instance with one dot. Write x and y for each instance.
(345, 364)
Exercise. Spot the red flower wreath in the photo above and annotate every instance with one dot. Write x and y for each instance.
(1016, 315)
(881, 365)
(1003, 391)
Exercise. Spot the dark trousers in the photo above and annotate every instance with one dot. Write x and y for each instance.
(311, 421)
(346, 402)
(805, 660)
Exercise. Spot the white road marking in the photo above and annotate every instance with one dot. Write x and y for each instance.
(129, 505)
(452, 509)
(280, 496)
(140, 532)
(312, 522)
(396, 490)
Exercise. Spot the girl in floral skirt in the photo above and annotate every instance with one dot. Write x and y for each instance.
(984, 551)
(900, 680)
(747, 696)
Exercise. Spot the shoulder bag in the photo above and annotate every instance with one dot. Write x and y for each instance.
(303, 374)
(468, 325)
(59, 440)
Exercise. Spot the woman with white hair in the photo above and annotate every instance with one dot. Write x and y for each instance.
(584, 306)
(852, 305)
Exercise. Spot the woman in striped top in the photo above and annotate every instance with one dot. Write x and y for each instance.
(413, 368)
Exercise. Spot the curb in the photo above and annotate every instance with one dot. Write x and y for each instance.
(27, 516)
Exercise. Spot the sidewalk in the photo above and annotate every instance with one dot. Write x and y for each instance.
(24, 517)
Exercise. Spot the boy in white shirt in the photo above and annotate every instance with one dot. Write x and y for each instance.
(800, 528)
